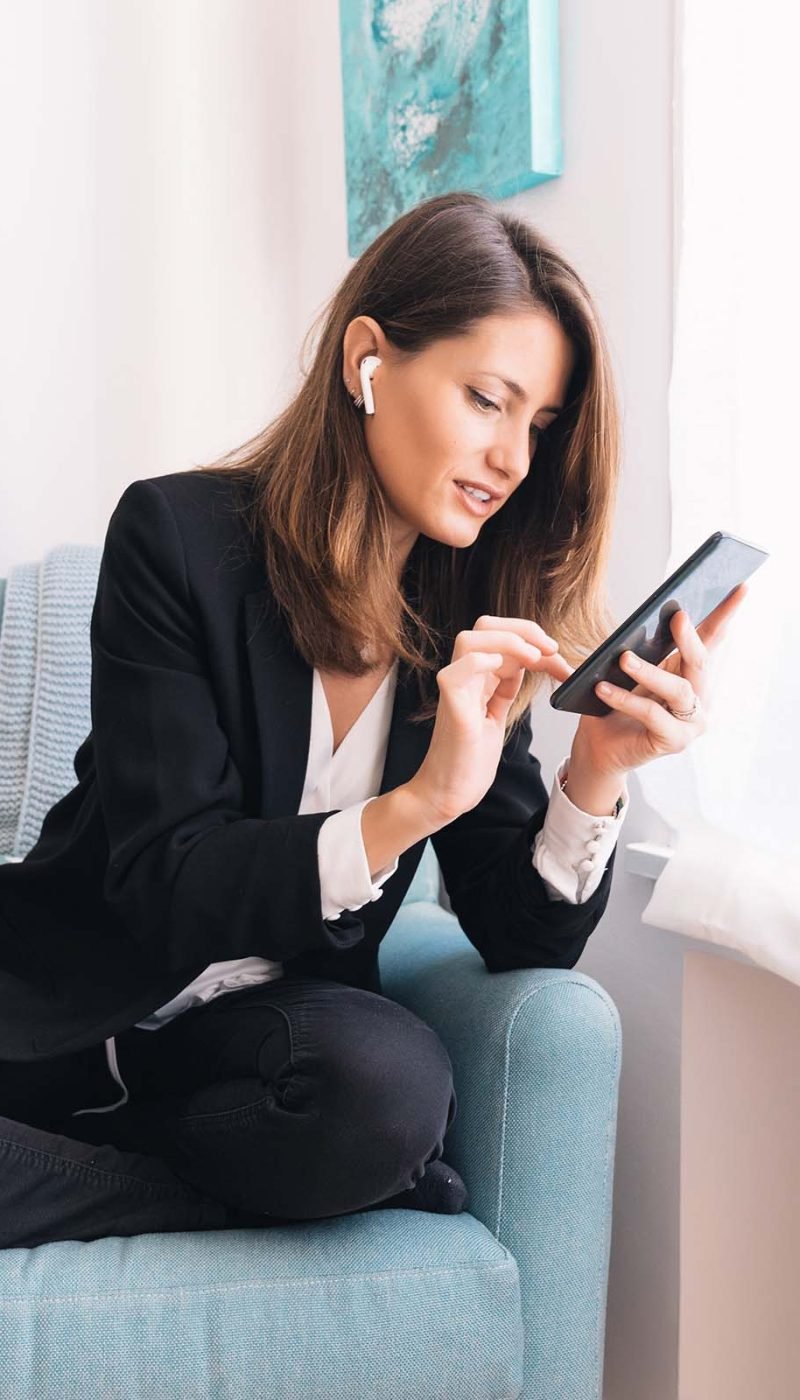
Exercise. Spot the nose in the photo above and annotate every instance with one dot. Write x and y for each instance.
(512, 459)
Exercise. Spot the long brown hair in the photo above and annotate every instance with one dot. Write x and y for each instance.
(316, 510)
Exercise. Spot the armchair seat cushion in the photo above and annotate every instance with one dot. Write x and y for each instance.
(377, 1303)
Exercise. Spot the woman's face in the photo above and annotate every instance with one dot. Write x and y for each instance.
(447, 416)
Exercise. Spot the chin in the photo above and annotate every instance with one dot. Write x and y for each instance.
(457, 538)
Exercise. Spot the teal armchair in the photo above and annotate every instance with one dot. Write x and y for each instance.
(506, 1299)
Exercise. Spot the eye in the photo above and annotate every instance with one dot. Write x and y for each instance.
(483, 404)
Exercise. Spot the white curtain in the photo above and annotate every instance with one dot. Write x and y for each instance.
(734, 408)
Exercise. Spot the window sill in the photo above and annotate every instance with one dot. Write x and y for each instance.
(646, 858)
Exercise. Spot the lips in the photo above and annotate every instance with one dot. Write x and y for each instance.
(472, 503)
(479, 486)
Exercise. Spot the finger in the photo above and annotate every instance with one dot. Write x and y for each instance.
(515, 646)
(525, 626)
(518, 652)
(713, 628)
(511, 644)
(451, 679)
(690, 659)
(672, 732)
(469, 664)
(556, 666)
(669, 679)
(678, 691)
(694, 655)
(720, 616)
(730, 603)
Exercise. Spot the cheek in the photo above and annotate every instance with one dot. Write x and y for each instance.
(414, 447)
(429, 429)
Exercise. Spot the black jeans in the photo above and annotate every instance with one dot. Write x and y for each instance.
(297, 1099)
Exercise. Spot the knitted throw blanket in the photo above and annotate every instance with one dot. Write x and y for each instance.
(45, 678)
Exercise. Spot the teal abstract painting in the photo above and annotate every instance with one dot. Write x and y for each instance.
(445, 95)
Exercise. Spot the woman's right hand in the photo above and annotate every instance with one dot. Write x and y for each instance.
(476, 691)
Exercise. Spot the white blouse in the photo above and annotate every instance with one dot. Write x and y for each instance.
(570, 851)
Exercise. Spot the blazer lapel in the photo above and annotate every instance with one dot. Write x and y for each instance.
(282, 693)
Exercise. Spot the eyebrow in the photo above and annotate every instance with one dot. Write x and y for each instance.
(519, 393)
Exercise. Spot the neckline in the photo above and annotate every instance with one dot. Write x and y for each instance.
(334, 753)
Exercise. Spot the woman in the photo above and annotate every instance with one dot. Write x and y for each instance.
(307, 659)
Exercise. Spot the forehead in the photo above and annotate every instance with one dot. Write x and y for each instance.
(529, 347)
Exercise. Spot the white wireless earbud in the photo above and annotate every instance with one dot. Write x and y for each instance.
(366, 370)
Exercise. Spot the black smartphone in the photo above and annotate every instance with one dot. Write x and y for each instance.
(702, 582)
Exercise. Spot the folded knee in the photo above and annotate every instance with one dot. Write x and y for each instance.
(398, 1086)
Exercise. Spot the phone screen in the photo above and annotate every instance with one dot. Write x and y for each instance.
(698, 586)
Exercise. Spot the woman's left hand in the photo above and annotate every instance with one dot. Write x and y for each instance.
(640, 727)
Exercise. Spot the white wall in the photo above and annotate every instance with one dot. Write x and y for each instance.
(146, 275)
(175, 215)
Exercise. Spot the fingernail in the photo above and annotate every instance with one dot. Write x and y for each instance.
(632, 660)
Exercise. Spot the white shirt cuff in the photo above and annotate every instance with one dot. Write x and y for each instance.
(573, 847)
(344, 875)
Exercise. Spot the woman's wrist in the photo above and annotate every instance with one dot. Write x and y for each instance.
(394, 822)
(588, 789)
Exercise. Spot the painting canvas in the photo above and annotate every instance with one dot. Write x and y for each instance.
(442, 95)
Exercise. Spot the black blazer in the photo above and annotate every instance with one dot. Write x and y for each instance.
(181, 844)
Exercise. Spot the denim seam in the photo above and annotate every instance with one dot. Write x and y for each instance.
(234, 1116)
(242, 1114)
(87, 1171)
(319, 1280)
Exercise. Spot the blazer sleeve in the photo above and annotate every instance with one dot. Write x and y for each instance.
(498, 896)
(187, 867)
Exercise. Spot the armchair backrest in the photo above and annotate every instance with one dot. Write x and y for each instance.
(45, 673)
(42, 726)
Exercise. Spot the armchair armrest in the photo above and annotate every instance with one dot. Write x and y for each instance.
(536, 1059)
